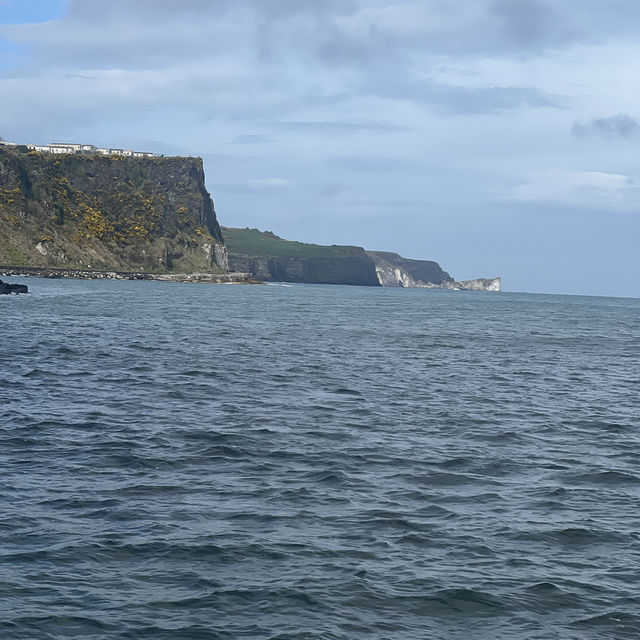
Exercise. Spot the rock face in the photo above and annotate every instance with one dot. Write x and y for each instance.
(395, 271)
(479, 284)
(107, 213)
(6, 288)
(271, 258)
(355, 270)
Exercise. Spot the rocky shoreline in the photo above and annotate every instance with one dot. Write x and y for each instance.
(205, 278)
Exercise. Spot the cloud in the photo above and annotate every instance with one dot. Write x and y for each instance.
(269, 183)
(370, 163)
(282, 56)
(339, 126)
(332, 189)
(584, 188)
(460, 99)
(252, 138)
(482, 27)
(620, 126)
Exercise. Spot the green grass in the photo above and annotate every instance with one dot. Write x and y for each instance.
(16, 257)
(254, 243)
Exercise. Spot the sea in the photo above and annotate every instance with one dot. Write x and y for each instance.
(302, 462)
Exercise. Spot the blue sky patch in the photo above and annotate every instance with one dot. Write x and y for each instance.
(30, 11)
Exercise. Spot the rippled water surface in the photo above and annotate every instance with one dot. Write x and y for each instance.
(302, 462)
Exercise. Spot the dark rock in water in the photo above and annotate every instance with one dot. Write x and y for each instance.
(6, 288)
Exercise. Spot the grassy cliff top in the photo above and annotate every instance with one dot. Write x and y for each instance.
(254, 243)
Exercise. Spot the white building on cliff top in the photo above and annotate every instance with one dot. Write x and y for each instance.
(72, 147)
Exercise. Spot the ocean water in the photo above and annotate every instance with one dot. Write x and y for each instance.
(313, 462)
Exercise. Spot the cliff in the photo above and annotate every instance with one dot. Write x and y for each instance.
(479, 284)
(107, 213)
(395, 271)
(269, 257)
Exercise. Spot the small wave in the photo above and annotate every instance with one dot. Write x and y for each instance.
(462, 601)
(619, 621)
(443, 479)
(457, 463)
(329, 477)
(545, 597)
(343, 391)
(64, 626)
(544, 588)
(571, 536)
(604, 478)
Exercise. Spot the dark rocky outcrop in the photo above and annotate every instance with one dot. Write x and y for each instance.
(107, 213)
(354, 270)
(6, 288)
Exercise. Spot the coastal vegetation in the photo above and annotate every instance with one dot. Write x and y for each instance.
(270, 257)
(107, 212)
(255, 243)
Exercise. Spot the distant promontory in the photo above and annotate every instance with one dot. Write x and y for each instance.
(271, 257)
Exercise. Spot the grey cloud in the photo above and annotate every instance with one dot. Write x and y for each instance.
(292, 65)
(331, 189)
(252, 138)
(481, 27)
(154, 32)
(337, 126)
(621, 126)
(531, 23)
(274, 43)
(370, 164)
(460, 99)
(486, 99)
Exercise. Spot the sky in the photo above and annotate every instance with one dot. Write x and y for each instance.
(498, 137)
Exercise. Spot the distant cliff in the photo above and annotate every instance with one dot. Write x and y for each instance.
(479, 284)
(107, 212)
(269, 257)
(395, 271)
